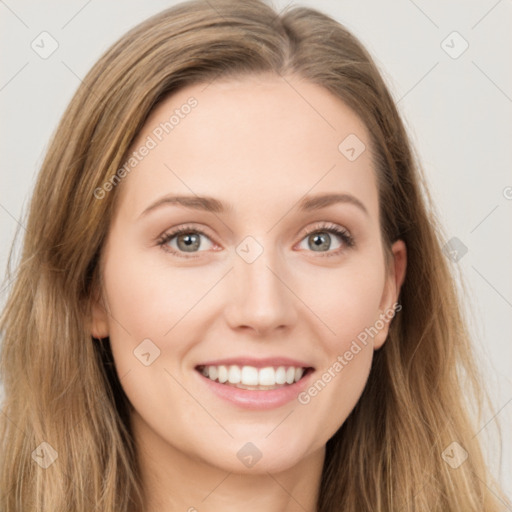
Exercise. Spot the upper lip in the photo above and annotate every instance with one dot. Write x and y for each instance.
(257, 363)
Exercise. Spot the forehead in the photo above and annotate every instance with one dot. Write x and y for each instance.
(252, 141)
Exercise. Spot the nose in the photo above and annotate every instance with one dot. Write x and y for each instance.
(260, 299)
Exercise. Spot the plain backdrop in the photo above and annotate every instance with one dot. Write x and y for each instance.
(447, 64)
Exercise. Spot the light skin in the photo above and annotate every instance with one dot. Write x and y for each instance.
(257, 145)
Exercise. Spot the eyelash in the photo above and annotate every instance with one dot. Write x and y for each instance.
(342, 233)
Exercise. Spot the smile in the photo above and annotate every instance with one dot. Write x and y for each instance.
(255, 383)
(252, 378)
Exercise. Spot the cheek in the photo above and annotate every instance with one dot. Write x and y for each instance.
(147, 302)
(348, 304)
(347, 301)
(146, 298)
(151, 308)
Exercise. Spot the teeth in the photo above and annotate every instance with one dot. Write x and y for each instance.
(251, 376)
(234, 374)
(267, 376)
(280, 375)
(223, 374)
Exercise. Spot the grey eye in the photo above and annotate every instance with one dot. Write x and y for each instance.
(189, 242)
(320, 241)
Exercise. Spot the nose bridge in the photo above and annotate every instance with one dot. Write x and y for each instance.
(259, 297)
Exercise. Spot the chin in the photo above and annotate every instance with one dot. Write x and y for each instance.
(261, 454)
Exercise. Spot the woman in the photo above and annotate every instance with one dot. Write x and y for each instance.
(231, 292)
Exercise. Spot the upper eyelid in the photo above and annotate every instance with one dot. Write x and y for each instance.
(326, 226)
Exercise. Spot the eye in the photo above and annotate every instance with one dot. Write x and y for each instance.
(319, 239)
(184, 240)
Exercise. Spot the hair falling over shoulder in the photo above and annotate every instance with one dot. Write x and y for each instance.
(60, 386)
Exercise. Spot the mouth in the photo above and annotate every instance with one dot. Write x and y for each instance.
(253, 378)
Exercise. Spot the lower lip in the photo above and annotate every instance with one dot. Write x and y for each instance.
(257, 399)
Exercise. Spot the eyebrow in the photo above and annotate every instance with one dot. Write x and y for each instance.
(210, 204)
(207, 204)
(317, 202)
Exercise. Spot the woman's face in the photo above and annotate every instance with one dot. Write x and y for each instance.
(279, 264)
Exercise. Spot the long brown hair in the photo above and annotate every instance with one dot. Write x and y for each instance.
(60, 386)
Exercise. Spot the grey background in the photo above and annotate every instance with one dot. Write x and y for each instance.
(457, 110)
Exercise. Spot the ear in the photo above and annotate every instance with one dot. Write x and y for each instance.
(99, 316)
(394, 280)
